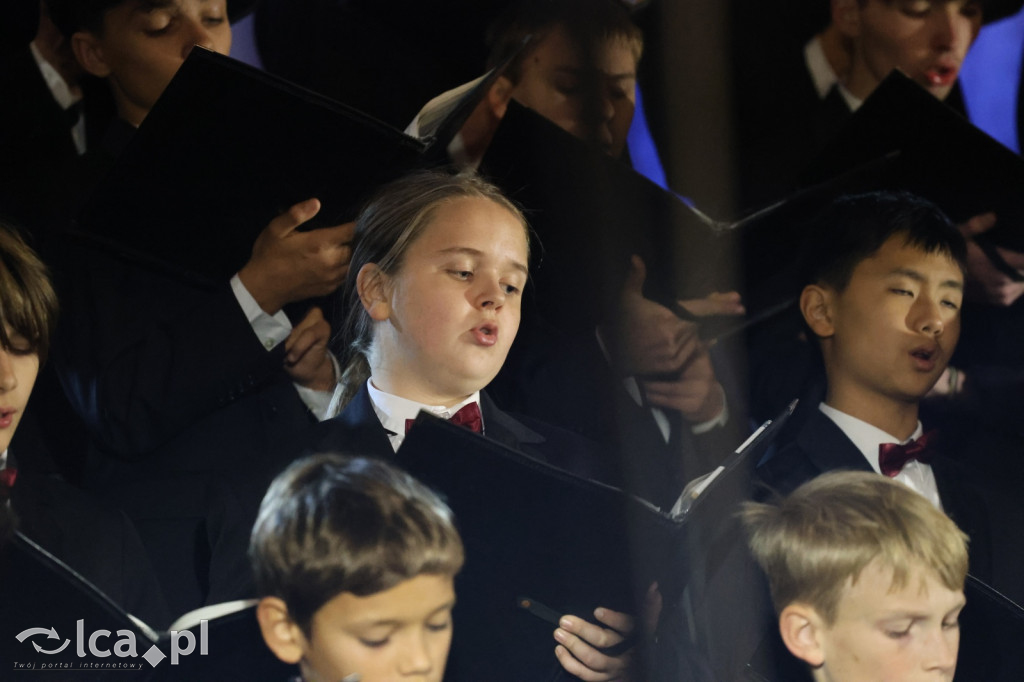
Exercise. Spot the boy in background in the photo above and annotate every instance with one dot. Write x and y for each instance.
(884, 286)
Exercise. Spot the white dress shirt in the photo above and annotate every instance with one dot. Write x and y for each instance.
(62, 94)
(917, 476)
(393, 410)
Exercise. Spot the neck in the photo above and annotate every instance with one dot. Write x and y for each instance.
(387, 383)
(896, 417)
(859, 80)
(837, 50)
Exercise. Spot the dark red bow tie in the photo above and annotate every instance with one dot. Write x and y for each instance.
(468, 416)
(7, 478)
(892, 457)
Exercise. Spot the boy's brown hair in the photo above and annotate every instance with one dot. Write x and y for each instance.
(28, 303)
(331, 524)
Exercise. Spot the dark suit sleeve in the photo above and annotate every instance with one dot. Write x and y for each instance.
(143, 356)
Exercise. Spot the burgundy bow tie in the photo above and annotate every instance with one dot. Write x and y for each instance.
(892, 457)
(468, 416)
(7, 478)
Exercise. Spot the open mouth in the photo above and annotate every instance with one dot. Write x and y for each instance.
(941, 75)
(925, 359)
(923, 354)
(486, 334)
(6, 417)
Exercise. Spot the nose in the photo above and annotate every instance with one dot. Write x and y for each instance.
(951, 29)
(491, 294)
(926, 316)
(8, 379)
(195, 33)
(942, 650)
(415, 659)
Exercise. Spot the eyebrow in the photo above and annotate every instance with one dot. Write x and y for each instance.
(477, 252)
(578, 71)
(918, 277)
(447, 606)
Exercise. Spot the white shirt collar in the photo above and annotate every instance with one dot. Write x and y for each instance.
(915, 475)
(852, 101)
(3, 460)
(54, 81)
(393, 411)
(821, 71)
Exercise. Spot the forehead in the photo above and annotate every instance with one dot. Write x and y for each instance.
(409, 601)
(875, 595)
(896, 254)
(472, 221)
(613, 55)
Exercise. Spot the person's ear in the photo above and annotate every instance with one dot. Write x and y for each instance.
(372, 285)
(816, 307)
(846, 17)
(88, 51)
(802, 628)
(499, 95)
(282, 635)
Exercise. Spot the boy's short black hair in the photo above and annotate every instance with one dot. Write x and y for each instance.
(586, 22)
(854, 227)
(71, 16)
(331, 524)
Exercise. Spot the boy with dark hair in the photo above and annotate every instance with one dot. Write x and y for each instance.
(866, 576)
(883, 293)
(355, 564)
(97, 542)
(180, 382)
(138, 45)
(578, 71)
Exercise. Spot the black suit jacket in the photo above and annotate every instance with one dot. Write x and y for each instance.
(98, 542)
(180, 398)
(978, 505)
(35, 138)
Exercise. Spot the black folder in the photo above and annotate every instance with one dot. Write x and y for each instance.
(534, 531)
(991, 636)
(943, 157)
(590, 213)
(225, 149)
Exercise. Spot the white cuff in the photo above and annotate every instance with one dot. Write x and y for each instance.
(271, 330)
(323, 404)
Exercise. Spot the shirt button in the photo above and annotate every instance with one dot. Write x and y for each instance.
(269, 343)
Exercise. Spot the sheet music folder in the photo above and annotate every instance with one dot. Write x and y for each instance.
(590, 213)
(225, 149)
(572, 544)
(943, 157)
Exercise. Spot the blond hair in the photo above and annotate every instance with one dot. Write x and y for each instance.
(820, 537)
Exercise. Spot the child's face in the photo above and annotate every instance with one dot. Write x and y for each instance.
(145, 41)
(452, 309)
(591, 98)
(927, 39)
(399, 634)
(893, 328)
(18, 370)
(885, 635)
